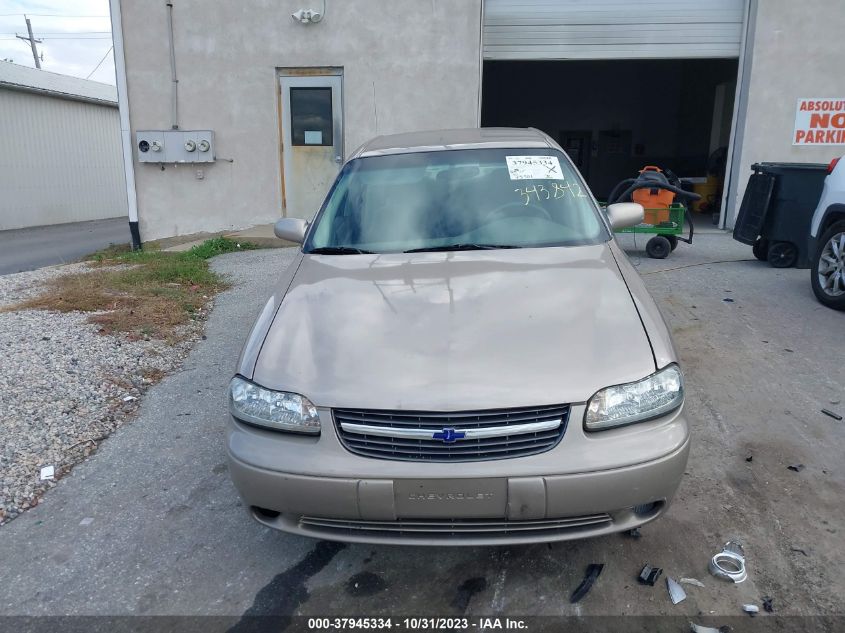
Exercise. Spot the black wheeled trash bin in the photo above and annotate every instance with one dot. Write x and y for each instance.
(776, 210)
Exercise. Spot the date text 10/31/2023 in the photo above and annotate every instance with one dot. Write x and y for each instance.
(417, 623)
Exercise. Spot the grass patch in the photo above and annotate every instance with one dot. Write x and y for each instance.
(110, 252)
(141, 293)
(218, 246)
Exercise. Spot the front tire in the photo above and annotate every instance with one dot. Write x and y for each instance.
(828, 272)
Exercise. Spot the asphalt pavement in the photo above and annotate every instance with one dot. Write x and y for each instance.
(36, 247)
(151, 524)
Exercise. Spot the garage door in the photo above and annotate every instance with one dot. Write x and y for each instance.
(612, 29)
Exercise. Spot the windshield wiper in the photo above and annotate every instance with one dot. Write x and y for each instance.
(460, 247)
(338, 250)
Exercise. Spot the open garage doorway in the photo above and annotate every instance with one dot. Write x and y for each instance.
(613, 117)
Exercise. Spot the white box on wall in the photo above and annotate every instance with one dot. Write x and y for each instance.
(175, 146)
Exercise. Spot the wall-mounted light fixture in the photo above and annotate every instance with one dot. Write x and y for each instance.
(309, 16)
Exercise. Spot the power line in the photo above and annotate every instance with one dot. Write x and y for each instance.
(96, 37)
(100, 62)
(51, 15)
(40, 33)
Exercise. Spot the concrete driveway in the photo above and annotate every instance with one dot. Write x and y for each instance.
(169, 536)
(36, 247)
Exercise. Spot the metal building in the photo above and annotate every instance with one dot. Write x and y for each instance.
(60, 153)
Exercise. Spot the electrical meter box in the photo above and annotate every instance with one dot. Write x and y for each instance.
(175, 146)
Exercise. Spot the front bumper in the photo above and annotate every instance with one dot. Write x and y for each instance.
(315, 487)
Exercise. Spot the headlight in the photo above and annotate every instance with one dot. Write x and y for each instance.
(272, 409)
(636, 401)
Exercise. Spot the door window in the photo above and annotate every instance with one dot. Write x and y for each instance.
(311, 116)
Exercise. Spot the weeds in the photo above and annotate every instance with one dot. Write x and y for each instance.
(110, 252)
(145, 294)
(218, 246)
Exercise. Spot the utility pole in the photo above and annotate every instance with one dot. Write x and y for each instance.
(32, 41)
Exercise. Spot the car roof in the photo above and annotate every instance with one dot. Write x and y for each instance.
(466, 138)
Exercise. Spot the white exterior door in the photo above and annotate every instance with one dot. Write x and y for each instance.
(312, 140)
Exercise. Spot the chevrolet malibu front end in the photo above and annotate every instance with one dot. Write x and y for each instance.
(460, 353)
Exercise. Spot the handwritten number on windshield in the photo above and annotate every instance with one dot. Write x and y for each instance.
(572, 187)
(539, 192)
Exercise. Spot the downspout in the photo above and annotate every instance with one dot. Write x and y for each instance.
(125, 133)
(174, 96)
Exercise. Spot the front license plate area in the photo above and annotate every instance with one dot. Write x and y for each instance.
(450, 498)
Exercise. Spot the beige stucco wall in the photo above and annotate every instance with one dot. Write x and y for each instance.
(409, 64)
(797, 52)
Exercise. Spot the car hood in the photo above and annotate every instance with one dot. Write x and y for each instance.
(455, 330)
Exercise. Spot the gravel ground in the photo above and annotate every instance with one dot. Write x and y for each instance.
(20, 286)
(64, 387)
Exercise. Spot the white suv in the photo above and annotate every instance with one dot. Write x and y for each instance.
(827, 239)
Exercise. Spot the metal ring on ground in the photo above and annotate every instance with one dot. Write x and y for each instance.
(729, 563)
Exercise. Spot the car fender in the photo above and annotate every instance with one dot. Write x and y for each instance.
(833, 213)
(831, 201)
(261, 326)
(656, 330)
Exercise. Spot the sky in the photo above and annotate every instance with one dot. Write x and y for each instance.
(76, 36)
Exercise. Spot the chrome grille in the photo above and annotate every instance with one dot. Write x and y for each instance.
(408, 529)
(463, 435)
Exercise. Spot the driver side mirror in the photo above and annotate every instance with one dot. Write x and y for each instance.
(625, 214)
(291, 229)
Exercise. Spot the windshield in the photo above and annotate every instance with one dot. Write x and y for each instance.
(454, 200)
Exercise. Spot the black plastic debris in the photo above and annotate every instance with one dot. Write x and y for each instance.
(634, 533)
(649, 575)
(830, 413)
(799, 550)
(592, 573)
(750, 458)
(728, 300)
(796, 468)
(767, 604)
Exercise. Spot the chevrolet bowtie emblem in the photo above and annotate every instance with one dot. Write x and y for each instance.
(448, 436)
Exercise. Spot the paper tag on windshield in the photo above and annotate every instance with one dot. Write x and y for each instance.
(534, 168)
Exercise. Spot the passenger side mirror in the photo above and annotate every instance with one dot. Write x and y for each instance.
(291, 229)
(625, 214)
